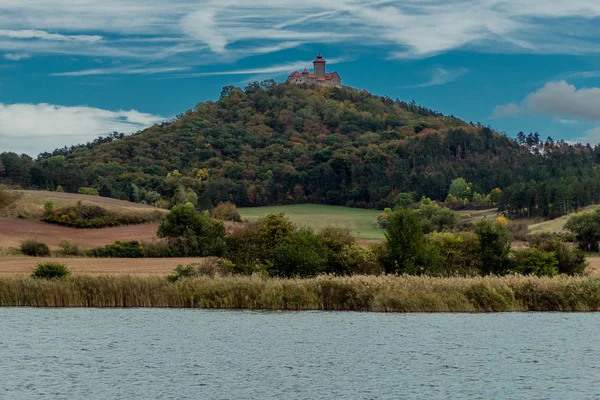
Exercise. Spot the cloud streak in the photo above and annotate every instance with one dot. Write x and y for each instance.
(409, 28)
(442, 76)
(16, 56)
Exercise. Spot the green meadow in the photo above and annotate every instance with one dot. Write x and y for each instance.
(362, 223)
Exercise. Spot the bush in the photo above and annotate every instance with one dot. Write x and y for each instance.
(494, 247)
(35, 249)
(69, 249)
(302, 254)
(192, 233)
(457, 254)
(48, 206)
(89, 191)
(131, 249)
(50, 270)
(404, 242)
(336, 239)
(571, 260)
(533, 261)
(90, 216)
(226, 212)
(356, 260)
(435, 218)
(586, 227)
(211, 267)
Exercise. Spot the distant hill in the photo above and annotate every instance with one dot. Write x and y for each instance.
(273, 144)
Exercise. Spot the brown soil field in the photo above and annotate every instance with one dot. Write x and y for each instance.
(15, 231)
(594, 267)
(98, 266)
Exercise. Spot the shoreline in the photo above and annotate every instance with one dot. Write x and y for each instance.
(325, 293)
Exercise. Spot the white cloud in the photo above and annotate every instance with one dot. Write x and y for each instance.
(442, 76)
(559, 100)
(34, 128)
(506, 110)
(16, 56)
(563, 100)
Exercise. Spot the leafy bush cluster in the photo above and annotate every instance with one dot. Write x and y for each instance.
(35, 249)
(50, 270)
(89, 216)
(226, 212)
(484, 251)
(210, 267)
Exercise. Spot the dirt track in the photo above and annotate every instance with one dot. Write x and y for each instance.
(14, 231)
(98, 266)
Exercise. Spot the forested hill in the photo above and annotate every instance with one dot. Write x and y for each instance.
(278, 143)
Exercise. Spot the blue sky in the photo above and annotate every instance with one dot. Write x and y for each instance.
(71, 70)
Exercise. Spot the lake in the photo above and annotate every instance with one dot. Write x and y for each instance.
(199, 354)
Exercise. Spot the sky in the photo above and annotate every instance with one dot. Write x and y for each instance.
(73, 70)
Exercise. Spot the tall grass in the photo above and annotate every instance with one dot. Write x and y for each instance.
(359, 293)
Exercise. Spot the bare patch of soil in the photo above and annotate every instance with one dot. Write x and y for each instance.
(15, 231)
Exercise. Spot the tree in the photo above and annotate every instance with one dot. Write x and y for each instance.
(192, 233)
(404, 200)
(586, 227)
(404, 236)
(494, 247)
(302, 254)
(458, 188)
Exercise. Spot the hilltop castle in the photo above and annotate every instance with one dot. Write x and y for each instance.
(318, 78)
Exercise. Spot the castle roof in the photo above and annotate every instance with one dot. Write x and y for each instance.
(305, 72)
(319, 59)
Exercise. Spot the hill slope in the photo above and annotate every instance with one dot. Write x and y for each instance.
(282, 144)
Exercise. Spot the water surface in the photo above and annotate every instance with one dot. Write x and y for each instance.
(194, 354)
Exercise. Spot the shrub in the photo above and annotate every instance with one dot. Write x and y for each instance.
(533, 261)
(518, 230)
(48, 206)
(90, 216)
(226, 212)
(35, 249)
(404, 241)
(383, 219)
(18, 187)
(60, 189)
(356, 260)
(244, 249)
(435, 218)
(335, 239)
(586, 227)
(571, 260)
(211, 267)
(89, 191)
(494, 247)
(131, 249)
(192, 233)
(302, 254)
(69, 249)
(457, 254)
(50, 270)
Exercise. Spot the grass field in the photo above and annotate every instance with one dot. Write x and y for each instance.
(362, 223)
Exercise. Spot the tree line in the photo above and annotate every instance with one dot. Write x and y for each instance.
(282, 144)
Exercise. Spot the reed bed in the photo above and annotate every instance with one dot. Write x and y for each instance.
(359, 293)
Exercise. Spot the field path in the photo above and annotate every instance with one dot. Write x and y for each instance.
(98, 266)
(15, 231)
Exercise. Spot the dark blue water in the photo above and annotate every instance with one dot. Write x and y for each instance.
(187, 354)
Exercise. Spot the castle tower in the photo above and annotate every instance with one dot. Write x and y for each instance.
(319, 66)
